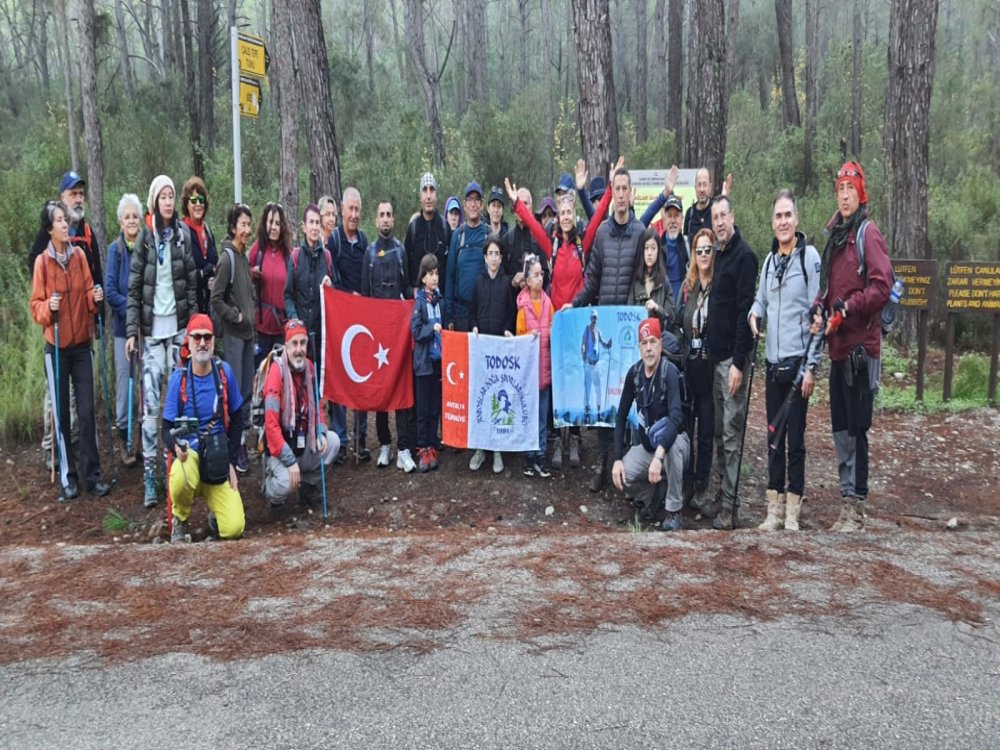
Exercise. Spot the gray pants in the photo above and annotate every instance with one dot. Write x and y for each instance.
(278, 486)
(121, 384)
(238, 354)
(159, 358)
(637, 462)
(730, 414)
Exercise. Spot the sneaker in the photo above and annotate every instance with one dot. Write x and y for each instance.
(497, 462)
(557, 454)
(404, 461)
(384, 456)
(72, 492)
(434, 457)
(477, 460)
(242, 460)
(423, 460)
(100, 489)
(341, 458)
(149, 487)
(541, 469)
(673, 522)
(179, 532)
(529, 468)
(364, 455)
(707, 506)
(574, 451)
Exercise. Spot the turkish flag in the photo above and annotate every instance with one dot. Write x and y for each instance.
(367, 352)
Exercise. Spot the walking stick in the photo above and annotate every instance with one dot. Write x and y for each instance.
(107, 394)
(322, 466)
(131, 401)
(776, 427)
(743, 437)
(57, 434)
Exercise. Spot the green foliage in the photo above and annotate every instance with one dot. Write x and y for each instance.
(115, 522)
(972, 378)
(22, 377)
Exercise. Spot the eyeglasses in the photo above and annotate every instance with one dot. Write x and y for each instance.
(704, 250)
(473, 198)
(202, 337)
(197, 199)
(849, 173)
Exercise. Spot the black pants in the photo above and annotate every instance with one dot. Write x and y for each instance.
(76, 363)
(702, 426)
(794, 439)
(850, 418)
(402, 434)
(428, 408)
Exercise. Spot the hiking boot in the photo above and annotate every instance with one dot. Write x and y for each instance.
(404, 461)
(707, 506)
(793, 506)
(477, 460)
(71, 492)
(423, 460)
(149, 487)
(855, 520)
(434, 458)
(529, 468)
(341, 458)
(242, 460)
(497, 462)
(673, 522)
(363, 455)
(213, 524)
(600, 477)
(845, 512)
(179, 532)
(727, 520)
(128, 459)
(775, 512)
(541, 470)
(384, 456)
(557, 454)
(574, 451)
(99, 489)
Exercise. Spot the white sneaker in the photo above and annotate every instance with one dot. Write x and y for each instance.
(404, 461)
(384, 456)
(497, 463)
(477, 460)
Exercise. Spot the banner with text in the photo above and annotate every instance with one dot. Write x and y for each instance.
(489, 391)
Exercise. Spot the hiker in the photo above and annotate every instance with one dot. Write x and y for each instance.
(788, 284)
(299, 445)
(162, 295)
(849, 304)
(194, 209)
(651, 472)
(203, 390)
(651, 287)
(425, 325)
(534, 316)
(64, 301)
(233, 300)
(465, 261)
(269, 258)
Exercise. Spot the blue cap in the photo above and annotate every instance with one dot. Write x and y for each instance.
(597, 188)
(565, 183)
(473, 187)
(70, 180)
(452, 205)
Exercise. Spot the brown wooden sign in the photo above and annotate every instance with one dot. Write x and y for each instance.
(920, 280)
(973, 286)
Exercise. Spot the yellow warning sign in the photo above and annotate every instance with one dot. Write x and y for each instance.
(250, 97)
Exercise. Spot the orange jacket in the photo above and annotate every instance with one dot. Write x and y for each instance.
(75, 286)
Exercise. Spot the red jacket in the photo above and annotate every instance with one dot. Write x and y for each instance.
(273, 395)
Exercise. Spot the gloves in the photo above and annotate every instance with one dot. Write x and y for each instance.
(817, 309)
(839, 307)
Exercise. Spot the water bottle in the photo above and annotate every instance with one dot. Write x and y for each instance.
(896, 292)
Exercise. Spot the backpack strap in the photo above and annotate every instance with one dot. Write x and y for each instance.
(859, 246)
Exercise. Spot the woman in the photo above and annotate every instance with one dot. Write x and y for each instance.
(233, 302)
(453, 212)
(116, 284)
(649, 282)
(269, 270)
(64, 301)
(328, 217)
(194, 208)
(698, 368)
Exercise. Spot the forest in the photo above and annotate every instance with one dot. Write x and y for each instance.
(372, 93)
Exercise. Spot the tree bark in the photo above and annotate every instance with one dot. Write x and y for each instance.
(659, 79)
(406, 73)
(475, 26)
(368, 22)
(812, 103)
(92, 125)
(596, 84)
(525, 48)
(127, 74)
(190, 92)
(283, 70)
(430, 82)
(206, 72)
(314, 76)
(708, 88)
(675, 72)
(550, 104)
(641, 71)
(856, 84)
(786, 45)
(74, 157)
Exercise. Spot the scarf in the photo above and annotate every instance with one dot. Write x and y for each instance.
(289, 412)
(198, 232)
(838, 230)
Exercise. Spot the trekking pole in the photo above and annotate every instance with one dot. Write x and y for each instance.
(107, 394)
(322, 466)
(131, 401)
(746, 418)
(776, 427)
(57, 434)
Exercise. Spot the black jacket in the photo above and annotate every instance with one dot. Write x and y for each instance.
(426, 236)
(493, 309)
(519, 244)
(662, 399)
(142, 280)
(734, 280)
(611, 264)
(383, 271)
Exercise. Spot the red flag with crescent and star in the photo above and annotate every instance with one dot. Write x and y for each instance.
(367, 352)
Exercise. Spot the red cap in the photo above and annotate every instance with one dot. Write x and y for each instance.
(295, 328)
(200, 322)
(649, 327)
(852, 172)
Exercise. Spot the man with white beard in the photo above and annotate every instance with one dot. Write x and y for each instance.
(298, 444)
(71, 193)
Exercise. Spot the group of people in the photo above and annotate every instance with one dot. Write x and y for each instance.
(172, 289)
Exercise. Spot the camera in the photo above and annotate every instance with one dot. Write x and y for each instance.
(185, 427)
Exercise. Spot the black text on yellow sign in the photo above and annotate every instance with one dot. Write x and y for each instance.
(250, 97)
(252, 54)
(973, 286)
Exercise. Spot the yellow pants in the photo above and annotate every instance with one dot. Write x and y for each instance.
(221, 499)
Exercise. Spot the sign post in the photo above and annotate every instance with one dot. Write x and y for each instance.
(920, 284)
(249, 67)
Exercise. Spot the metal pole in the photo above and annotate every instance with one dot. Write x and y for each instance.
(237, 164)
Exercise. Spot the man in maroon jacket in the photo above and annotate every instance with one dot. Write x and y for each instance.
(854, 287)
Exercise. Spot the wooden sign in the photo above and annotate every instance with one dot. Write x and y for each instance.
(920, 282)
(973, 286)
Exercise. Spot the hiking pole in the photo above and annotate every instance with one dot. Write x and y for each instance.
(131, 401)
(322, 466)
(107, 394)
(57, 434)
(776, 427)
(743, 437)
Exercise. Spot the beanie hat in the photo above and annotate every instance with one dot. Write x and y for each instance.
(295, 328)
(851, 171)
(155, 188)
(649, 327)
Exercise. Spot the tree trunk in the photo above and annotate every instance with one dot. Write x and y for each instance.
(154, 49)
(675, 72)
(525, 47)
(127, 74)
(460, 77)
(856, 84)
(641, 114)
(812, 104)
(596, 84)
(618, 49)
(475, 25)
(74, 158)
(283, 70)
(206, 72)
(707, 88)
(550, 103)
(789, 101)
(430, 83)
(367, 23)
(406, 73)
(314, 76)
(190, 93)
(43, 36)
(92, 125)
(659, 79)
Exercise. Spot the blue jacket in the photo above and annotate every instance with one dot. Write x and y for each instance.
(465, 264)
(424, 336)
(348, 257)
(116, 284)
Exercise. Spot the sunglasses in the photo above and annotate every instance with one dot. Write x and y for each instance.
(197, 199)
(849, 173)
(202, 337)
(704, 250)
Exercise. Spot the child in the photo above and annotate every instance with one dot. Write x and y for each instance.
(425, 324)
(491, 311)
(534, 315)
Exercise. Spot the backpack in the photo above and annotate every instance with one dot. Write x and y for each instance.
(257, 397)
(667, 359)
(331, 270)
(578, 244)
(399, 257)
(221, 390)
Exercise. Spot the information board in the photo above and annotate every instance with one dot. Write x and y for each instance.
(920, 282)
(973, 286)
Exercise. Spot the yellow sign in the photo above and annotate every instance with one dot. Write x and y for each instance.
(973, 286)
(252, 54)
(250, 97)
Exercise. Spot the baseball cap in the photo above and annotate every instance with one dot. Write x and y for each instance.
(565, 183)
(548, 203)
(473, 187)
(597, 188)
(495, 195)
(70, 180)
(673, 202)
(428, 179)
(452, 205)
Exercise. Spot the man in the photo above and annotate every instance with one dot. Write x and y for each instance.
(298, 444)
(609, 277)
(428, 232)
(494, 210)
(852, 302)
(590, 350)
(465, 260)
(203, 391)
(520, 245)
(655, 465)
(731, 350)
(384, 276)
(699, 216)
(788, 285)
(668, 227)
